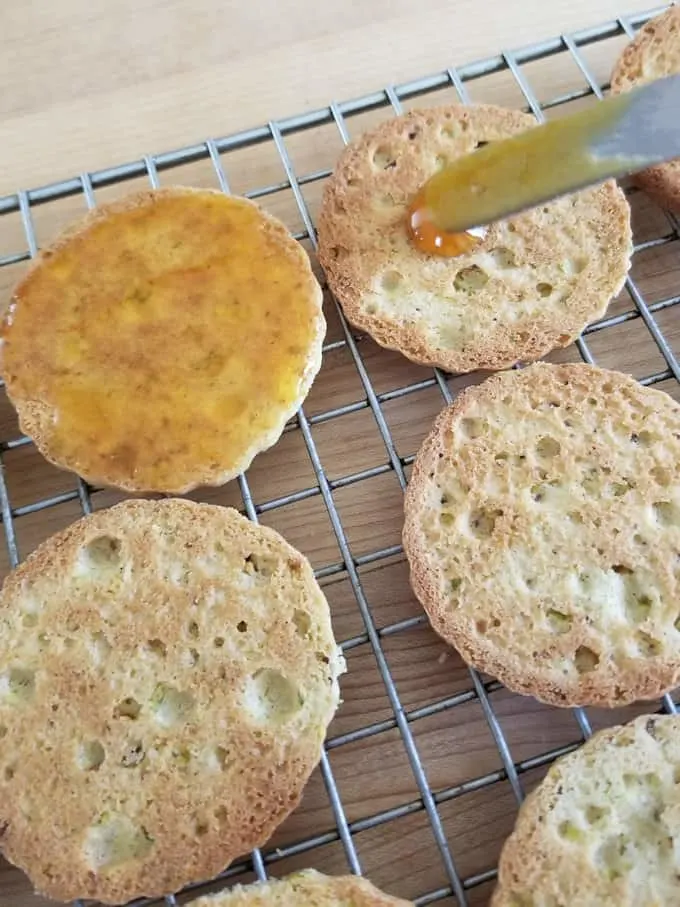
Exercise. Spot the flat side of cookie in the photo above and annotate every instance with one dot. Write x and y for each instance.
(532, 285)
(118, 467)
(167, 675)
(653, 54)
(602, 828)
(303, 889)
(542, 522)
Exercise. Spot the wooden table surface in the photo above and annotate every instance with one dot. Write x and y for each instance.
(88, 85)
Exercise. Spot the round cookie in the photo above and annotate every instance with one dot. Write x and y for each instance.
(533, 283)
(653, 54)
(163, 341)
(167, 675)
(303, 889)
(603, 827)
(542, 529)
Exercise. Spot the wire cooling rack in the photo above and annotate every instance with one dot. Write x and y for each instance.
(444, 795)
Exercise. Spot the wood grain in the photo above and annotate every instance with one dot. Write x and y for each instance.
(85, 86)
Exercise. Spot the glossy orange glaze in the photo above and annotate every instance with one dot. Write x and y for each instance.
(164, 340)
(430, 239)
(504, 177)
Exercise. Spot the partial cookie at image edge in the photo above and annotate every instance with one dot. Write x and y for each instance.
(307, 888)
(663, 181)
(575, 842)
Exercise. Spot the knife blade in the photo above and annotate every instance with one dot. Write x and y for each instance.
(613, 138)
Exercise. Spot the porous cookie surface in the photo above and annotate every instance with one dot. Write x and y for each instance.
(304, 889)
(164, 341)
(533, 283)
(543, 528)
(603, 828)
(167, 674)
(653, 54)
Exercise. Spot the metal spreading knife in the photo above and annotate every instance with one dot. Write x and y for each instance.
(612, 138)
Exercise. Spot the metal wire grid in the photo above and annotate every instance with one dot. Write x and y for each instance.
(276, 132)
